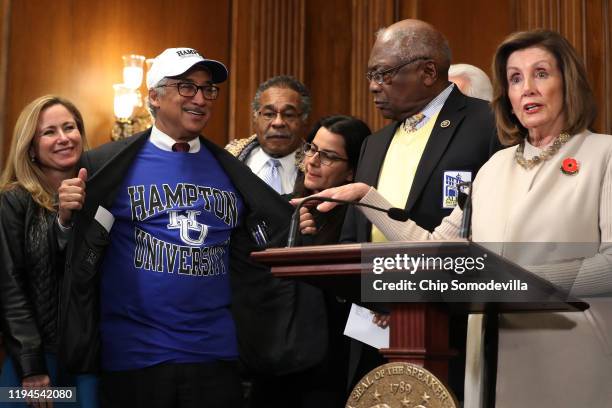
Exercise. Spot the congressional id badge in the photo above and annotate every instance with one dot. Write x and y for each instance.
(450, 193)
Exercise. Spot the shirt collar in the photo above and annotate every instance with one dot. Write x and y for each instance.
(436, 104)
(165, 142)
(260, 158)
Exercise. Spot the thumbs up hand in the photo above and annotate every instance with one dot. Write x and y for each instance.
(71, 197)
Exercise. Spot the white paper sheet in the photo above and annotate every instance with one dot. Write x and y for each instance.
(105, 218)
(359, 326)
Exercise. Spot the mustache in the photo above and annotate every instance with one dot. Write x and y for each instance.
(281, 135)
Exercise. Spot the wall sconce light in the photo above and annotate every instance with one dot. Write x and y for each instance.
(124, 101)
(133, 70)
(123, 105)
(131, 116)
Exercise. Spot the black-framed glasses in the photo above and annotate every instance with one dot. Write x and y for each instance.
(385, 76)
(287, 116)
(189, 90)
(326, 158)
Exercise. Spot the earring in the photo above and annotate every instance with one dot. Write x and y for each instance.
(33, 159)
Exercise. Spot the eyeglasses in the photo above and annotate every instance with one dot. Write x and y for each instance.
(189, 90)
(287, 116)
(384, 77)
(326, 158)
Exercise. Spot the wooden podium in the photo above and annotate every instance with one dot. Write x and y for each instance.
(418, 331)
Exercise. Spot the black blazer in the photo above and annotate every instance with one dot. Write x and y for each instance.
(275, 319)
(465, 144)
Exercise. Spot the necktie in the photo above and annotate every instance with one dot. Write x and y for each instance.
(410, 124)
(180, 147)
(272, 175)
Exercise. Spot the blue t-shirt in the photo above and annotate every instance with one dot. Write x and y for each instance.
(165, 291)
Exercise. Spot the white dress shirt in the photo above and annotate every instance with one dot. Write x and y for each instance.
(165, 142)
(288, 171)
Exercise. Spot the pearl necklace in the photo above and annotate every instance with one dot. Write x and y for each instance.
(542, 157)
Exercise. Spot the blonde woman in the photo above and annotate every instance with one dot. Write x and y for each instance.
(48, 140)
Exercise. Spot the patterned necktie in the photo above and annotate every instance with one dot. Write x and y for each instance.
(410, 124)
(180, 147)
(272, 175)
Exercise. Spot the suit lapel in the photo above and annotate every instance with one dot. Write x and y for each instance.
(440, 137)
(251, 187)
(102, 186)
(236, 170)
(266, 208)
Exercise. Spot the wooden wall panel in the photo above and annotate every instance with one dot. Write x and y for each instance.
(74, 48)
(328, 56)
(472, 28)
(5, 18)
(267, 39)
(368, 17)
(597, 59)
(278, 38)
(565, 16)
(241, 82)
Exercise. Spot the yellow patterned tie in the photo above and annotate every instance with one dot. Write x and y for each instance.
(410, 124)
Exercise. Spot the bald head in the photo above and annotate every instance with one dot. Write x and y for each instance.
(415, 38)
(407, 68)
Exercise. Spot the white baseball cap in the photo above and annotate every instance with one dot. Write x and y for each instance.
(176, 61)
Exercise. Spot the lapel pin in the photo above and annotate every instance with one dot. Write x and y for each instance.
(570, 166)
(445, 123)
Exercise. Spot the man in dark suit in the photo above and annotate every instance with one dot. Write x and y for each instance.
(160, 293)
(437, 136)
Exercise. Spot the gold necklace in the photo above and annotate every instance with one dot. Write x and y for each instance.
(542, 157)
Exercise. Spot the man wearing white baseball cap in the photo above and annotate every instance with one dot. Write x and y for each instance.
(177, 61)
(167, 218)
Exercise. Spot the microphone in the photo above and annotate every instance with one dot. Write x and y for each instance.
(394, 213)
(465, 203)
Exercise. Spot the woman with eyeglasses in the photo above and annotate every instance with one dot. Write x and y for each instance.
(331, 154)
(330, 159)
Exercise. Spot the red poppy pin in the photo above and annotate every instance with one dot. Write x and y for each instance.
(570, 166)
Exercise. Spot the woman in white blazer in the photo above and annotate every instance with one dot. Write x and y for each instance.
(554, 186)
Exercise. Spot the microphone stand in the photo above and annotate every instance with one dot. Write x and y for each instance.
(466, 220)
(394, 213)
